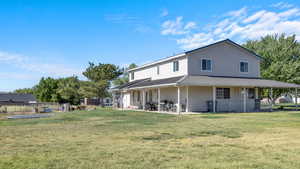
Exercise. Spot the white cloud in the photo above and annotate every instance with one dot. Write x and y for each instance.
(164, 13)
(237, 13)
(177, 27)
(250, 25)
(282, 5)
(44, 69)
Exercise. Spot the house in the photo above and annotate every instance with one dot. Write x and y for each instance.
(220, 77)
(16, 99)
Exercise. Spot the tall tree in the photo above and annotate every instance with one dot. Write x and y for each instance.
(68, 90)
(99, 77)
(101, 71)
(45, 90)
(281, 58)
(124, 78)
(25, 91)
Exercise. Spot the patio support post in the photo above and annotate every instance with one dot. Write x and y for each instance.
(271, 95)
(158, 99)
(296, 98)
(214, 99)
(121, 100)
(178, 101)
(187, 109)
(244, 99)
(144, 99)
(256, 93)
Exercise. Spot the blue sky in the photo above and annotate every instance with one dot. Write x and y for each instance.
(58, 38)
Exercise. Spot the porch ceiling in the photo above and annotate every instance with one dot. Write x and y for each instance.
(233, 81)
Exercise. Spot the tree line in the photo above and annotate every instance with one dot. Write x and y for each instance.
(280, 61)
(70, 89)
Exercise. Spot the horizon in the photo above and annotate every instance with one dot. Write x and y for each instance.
(59, 38)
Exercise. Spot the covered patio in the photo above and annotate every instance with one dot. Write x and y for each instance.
(197, 94)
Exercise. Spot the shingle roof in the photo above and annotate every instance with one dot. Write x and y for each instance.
(172, 80)
(234, 81)
(16, 97)
(209, 81)
(127, 85)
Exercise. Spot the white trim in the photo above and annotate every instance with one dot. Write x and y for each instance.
(157, 62)
(158, 99)
(173, 66)
(214, 98)
(245, 91)
(187, 108)
(178, 101)
(154, 86)
(211, 66)
(245, 61)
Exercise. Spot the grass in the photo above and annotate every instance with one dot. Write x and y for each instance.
(114, 139)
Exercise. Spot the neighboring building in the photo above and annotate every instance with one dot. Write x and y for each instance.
(107, 101)
(16, 99)
(221, 77)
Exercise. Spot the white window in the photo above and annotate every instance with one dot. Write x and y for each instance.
(206, 65)
(223, 93)
(244, 67)
(132, 76)
(175, 66)
(157, 70)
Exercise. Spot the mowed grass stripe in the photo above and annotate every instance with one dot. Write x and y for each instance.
(107, 138)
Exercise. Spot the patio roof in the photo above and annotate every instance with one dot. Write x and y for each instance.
(156, 83)
(207, 81)
(234, 82)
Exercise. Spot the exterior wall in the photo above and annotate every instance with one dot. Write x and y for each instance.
(198, 97)
(225, 61)
(165, 70)
(126, 100)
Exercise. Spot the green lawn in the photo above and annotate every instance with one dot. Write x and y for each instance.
(125, 139)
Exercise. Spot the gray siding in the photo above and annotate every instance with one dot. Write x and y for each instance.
(225, 61)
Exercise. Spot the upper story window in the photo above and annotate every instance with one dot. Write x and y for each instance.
(223, 93)
(206, 65)
(244, 67)
(175, 66)
(132, 76)
(157, 70)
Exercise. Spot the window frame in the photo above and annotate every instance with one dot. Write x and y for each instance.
(157, 70)
(132, 75)
(223, 96)
(240, 66)
(211, 65)
(175, 68)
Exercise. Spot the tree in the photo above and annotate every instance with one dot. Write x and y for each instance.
(281, 59)
(99, 77)
(25, 91)
(45, 90)
(68, 90)
(124, 78)
(101, 71)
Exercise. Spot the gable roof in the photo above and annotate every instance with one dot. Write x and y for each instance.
(197, 49)
(229, 42)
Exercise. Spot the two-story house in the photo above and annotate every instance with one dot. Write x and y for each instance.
(220, 77)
